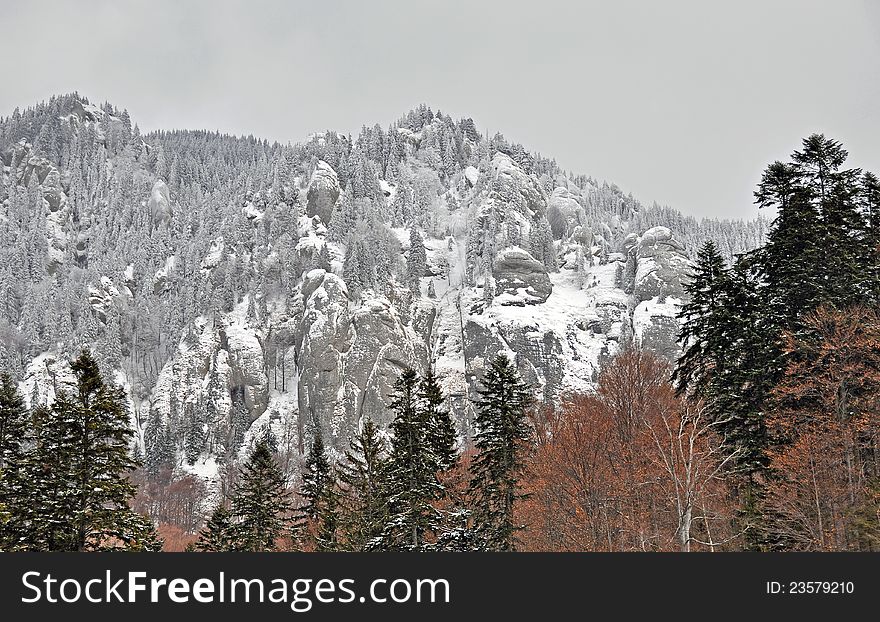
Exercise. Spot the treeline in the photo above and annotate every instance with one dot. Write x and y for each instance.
(65, 485)
(409, 490)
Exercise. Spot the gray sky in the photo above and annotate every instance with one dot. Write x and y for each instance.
(682, 102)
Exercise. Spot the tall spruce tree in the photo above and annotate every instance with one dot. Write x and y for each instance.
(92, 439)
(362, 476)
(327, 537)
(701, 319)
(42, 505)
(440, 428)
(870, 196)
(260, 502)
(818, 251)
(412, 479)
(75, 489)
(316, 478)
(416, 260)
(503, 434)
(13, 423)
(219, 532)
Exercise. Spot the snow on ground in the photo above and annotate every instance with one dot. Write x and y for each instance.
(163, 272)
(649, 309)
(389, 190)
(121, 380)
(570, 313)
(279, 419)
(312, 233)
(447, 349)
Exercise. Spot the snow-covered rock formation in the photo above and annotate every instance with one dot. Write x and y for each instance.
(235, 287)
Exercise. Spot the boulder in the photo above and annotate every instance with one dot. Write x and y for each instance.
(520, 279)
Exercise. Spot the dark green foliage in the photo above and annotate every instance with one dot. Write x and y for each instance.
(158, 444)
(320, 495)
(13, 423)
(219, 532)
(13, 430)
(194, 434)
(316, 477)
(441, 434)
(702, 321)
(412, 471)
(260, 502)
(362, 477)
(821, 250)
(327, 538)
(74, 489)
(502, 438)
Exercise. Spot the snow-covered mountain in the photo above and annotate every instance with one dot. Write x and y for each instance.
(232, 285)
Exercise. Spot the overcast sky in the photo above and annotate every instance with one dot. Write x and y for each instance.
(682, 102)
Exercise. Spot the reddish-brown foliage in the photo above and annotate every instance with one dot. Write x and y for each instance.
(174, 539)
(630, 468)
(827, 430)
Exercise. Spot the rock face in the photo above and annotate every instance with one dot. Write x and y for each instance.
(323, 338)
(349, 361)
(521, 259)
(513, 187)
(159, 203)
(520, 279)
(52, 184)
(655, 266)
(563, 211)
(382, 348)
(322, 192)
(218, 361)
(656, 263)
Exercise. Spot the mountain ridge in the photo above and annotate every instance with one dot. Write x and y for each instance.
(239, 285)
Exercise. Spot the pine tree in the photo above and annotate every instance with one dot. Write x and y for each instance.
(702, 322)
(327, 538)
(158, 444)
(412, 480)
(13, 428)
(194, 435)
(503, 433)
(441, 434)
(260, 502)
(870, 195)
(78, 471)
(219, 533)
(362, 477)
(13, 423)
(321, 497)
(316, 478)
(416, 260)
